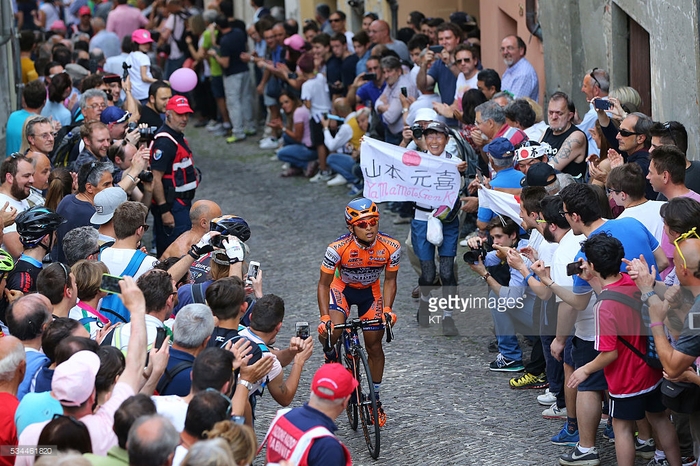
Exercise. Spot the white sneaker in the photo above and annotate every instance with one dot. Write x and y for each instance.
(547, 398)
(322, 175)
(337, 180)
(214, 127)
(285, 166)
(269, 143)
(553, 412)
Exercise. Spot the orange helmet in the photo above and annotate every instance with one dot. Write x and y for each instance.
(360, 208)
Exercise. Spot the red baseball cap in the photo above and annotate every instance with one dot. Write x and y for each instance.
(333, 381)
(84, 10)
(179, 105)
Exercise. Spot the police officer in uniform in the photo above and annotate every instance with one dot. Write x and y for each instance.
(174, 175)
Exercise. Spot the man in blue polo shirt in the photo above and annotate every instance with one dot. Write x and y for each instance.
(501, 154)
(192, 329)
(359, 93)
(442, 67)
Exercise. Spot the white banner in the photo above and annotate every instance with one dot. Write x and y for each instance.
(392, 173)
(503, 204)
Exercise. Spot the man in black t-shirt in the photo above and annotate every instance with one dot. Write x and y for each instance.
(231, 56)
(226, 298)
(159, 93)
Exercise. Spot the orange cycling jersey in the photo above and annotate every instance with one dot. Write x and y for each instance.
(361, 267)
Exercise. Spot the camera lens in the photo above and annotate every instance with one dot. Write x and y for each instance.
(146, 176)
(417, 133)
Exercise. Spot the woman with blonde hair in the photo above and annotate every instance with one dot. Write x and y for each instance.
(240, 438)
(88, 278)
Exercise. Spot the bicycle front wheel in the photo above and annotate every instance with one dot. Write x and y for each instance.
(349, 361)
(367, 402)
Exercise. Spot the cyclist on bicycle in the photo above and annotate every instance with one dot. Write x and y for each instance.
(360, 257)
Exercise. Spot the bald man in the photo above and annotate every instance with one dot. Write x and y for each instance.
(27, 318)
(201, 213)
(13, 365)
(105, 40)
(380, 34)
(42, 171)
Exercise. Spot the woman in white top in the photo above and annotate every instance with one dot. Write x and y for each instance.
(140, 71)
(48, 14)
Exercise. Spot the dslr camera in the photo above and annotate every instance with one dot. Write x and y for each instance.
(146, 176)
(417, 131)
(146, 134)
(472, 257)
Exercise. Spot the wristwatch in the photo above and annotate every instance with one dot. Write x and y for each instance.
(647, 295)
(246, 384)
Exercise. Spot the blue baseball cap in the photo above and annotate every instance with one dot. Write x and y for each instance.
(114, 114)
(500, 148)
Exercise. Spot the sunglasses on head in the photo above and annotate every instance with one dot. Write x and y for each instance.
(688, 234)
(592, 75)
(667, 127)
(366, 223)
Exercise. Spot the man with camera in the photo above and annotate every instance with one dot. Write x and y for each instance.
(443, 71)
(175, 178)
(513, 301)
(368, 86)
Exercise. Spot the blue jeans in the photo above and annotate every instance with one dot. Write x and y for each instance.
(164, 236)
(297, 155)
(505, 327)
(425, 250)
(342, 164)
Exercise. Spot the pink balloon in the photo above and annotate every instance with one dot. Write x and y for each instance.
(183, 80)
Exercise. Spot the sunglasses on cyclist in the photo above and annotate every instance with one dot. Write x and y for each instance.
(366, 223)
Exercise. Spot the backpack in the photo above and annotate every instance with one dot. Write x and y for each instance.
(68, 136)
(169, 375)
(112, 306)
(651, 357)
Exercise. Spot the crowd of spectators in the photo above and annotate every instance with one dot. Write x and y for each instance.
(609, 206)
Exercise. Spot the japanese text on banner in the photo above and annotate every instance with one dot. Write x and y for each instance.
(392, 173)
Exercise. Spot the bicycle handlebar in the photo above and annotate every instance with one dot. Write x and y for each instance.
(359, 323)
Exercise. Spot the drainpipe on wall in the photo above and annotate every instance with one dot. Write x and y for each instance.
(533, 25)
(7, 34)
(394, 7)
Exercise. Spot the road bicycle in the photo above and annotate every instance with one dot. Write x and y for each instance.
(363, 402)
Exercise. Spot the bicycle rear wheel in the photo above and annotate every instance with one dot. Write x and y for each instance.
(367, 404)
(349, 362)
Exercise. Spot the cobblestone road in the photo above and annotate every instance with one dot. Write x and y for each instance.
(443, 404)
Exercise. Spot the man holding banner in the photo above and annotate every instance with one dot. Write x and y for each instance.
(395, 174)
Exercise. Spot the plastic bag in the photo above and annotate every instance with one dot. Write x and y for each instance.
(434, 233)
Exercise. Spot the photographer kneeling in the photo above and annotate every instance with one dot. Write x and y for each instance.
(510, 299)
